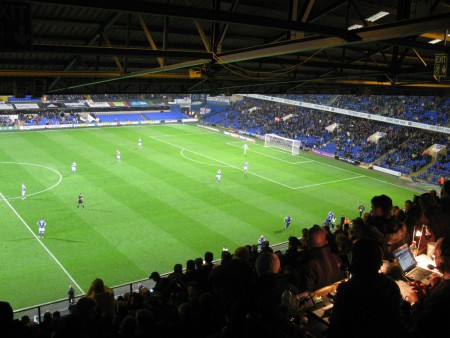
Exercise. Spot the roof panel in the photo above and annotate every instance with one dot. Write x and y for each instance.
(255, 37)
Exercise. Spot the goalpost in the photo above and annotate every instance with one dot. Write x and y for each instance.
(275, 141)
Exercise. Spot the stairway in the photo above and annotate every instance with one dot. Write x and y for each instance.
(423, 169)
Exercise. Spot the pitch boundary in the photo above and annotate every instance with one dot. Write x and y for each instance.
(40, 242)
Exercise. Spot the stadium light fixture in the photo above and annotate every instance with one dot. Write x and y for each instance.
(434, 41)
(355, 26)
(377, 16)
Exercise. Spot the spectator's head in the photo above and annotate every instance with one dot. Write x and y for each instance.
(198, 262)
(47, 316)
(226, 257)
(427, 201)
(442, 254)
(155, 276)
(6, 312)
(367, 256)
(317, 237)
(127, 326)
(86, 307)
(145, 322)
(381, 206)
(399, 215)
(445, 192)
(305, 232)
(266, 263)
(209, 257)
(178, 268)
(437, 220)
(190, 265)
(242, 253)
(25, 319)
(408, 205)
(98, 286)
(433, 193)
(293, 242)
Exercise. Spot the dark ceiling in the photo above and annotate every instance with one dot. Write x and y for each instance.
(222, 47)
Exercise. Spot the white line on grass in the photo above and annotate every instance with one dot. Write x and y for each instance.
(191, 134)
(43, 245)
(366, 176)
(224, 163)
(36, 165)
(191, 159)
(329, 182)
(287, 186)
(395, 185)
(276, 158)
(347, 170)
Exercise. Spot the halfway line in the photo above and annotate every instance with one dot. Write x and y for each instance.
(43, 245)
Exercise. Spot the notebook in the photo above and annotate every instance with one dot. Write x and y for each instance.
(409, 266)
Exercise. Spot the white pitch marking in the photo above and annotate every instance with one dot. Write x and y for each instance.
(275, 158)
(37, 165)
(329, 182)
(191, 159)
(40, 242)
(224, 163)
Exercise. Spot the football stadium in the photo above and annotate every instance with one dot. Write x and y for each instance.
(266, 176)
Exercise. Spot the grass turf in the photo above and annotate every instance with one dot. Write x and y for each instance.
(160, 205)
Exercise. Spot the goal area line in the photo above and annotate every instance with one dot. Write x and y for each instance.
(233, 144)
(183, 149)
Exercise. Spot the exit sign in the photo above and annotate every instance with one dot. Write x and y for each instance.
(440, 65)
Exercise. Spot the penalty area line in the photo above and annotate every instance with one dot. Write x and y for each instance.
(270, 156)
(218, 161)
(40, 242)
(329, 182)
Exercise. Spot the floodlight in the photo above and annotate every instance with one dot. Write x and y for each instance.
(355, 26)
(377, 16)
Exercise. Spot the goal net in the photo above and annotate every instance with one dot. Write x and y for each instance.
(275, 141)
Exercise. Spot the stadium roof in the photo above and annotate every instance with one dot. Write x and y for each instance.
(223, 47)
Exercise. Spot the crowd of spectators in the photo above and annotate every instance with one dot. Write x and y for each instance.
(35, 118)
(431, 110)
(441, 168)
(7, 121)
(254, 290)
(108, 97)
(401, 148)
(412, 153)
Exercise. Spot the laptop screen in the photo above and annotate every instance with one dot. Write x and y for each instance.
(405, 258)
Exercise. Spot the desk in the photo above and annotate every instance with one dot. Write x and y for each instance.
(424, 260)
(318, 310)
(396, 274)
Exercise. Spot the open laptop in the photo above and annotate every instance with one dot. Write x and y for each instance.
(409, 266)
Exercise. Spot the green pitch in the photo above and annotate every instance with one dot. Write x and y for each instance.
(159, 206)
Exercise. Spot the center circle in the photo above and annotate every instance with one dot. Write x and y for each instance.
(38, 166)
